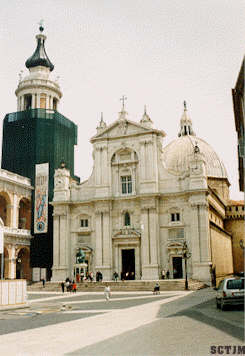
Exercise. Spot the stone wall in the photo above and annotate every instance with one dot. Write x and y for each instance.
(221, 251)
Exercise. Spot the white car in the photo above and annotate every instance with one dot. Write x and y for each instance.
(230, 292)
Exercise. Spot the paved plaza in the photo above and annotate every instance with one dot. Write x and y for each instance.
(174, 323)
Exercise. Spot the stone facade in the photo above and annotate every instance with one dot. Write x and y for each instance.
(235, 224)
(134, 213)
(15, 214)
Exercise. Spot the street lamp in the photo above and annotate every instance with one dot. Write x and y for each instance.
(186, 255)
(241, 244)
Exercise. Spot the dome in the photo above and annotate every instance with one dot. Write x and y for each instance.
(39, 57)
(178, 153)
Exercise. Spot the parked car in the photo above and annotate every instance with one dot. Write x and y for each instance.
(230, 292)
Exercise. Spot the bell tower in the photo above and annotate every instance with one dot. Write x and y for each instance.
(38, 134)
(37, 90)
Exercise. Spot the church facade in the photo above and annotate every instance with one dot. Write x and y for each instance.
(143, 203)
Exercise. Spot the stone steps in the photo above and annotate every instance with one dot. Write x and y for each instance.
(165, 285)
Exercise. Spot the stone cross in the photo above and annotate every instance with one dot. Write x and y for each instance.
(123, 101)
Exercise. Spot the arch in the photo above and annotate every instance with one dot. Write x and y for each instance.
(6, 265)
(24, 214)
(23, 270)
(5, 208)
(121, 149)
(27, 101)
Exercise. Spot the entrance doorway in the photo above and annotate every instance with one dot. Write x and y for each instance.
(177, 267)
(128, 264)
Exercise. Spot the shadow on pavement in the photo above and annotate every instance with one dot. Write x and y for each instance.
(206, 312)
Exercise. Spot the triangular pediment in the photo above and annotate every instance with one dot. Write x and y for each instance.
(124, 128)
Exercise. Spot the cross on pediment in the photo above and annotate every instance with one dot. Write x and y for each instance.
(123, 101)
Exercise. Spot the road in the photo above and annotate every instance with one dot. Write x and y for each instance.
(130, 324)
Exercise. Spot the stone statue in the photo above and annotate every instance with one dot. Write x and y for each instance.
(80, 256)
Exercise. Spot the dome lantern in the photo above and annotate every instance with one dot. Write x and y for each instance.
(186, 124)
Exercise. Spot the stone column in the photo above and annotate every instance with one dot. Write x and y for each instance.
(15, 221)
(12, 262)
(142, 160)
(200, 246)
(153, 236)
(144, 241)
(106, 246)
(137, 262)
(104, 166)
(47, 102)
(62, 249)
(98, 242)
(38, 100)
(33, 101)
(204, 234)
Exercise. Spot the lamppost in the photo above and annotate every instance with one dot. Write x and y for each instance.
(186, 255)
(241, 244)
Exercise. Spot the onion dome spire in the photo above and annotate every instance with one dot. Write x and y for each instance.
(39, 57)
(186, 124)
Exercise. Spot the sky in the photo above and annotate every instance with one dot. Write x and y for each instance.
(156, 52)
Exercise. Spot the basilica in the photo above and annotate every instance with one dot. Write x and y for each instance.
(147, 207)
(143, 204)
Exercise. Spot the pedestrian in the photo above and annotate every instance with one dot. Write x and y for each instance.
(74, 287)
(63, 287)
(167, 274)
(43, 280)
(67, 285)
(107, 292)
(156, 289)
(115, 275)
(163, 274)
(82, 276)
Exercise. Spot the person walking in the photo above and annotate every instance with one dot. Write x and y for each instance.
(167, 274)
(63, 287)
(67, 285)
(107, 292)
(163, 274)
(43, 280)
(156, 289)
(74, 287)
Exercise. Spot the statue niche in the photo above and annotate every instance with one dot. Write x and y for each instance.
(80, 256)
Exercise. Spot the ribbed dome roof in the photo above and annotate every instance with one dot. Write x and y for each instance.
(178, 153)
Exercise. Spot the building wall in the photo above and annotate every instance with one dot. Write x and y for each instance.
(221, 249)
(15, 214)
(235, 224)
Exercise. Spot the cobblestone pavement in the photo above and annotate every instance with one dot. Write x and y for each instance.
(130, 324)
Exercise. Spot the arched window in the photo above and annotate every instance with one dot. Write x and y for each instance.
(126, 219)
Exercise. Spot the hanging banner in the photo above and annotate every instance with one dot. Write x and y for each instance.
(41, 199)
(1, 240)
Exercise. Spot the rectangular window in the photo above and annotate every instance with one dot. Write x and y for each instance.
(84, 222)
(175, 217)
(126, 185)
